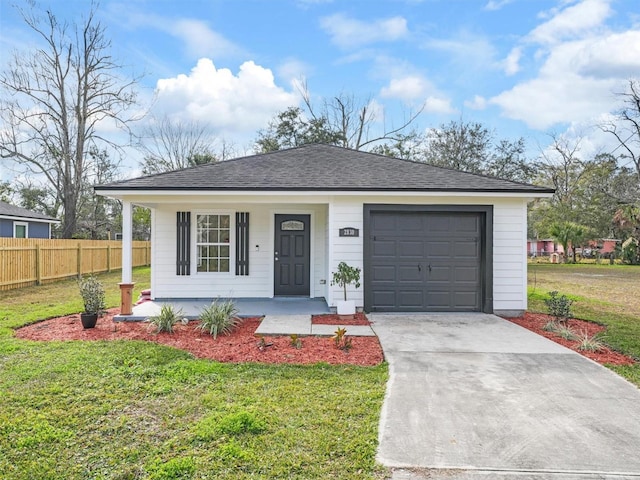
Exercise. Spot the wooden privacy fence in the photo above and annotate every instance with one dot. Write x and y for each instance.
(34, 261)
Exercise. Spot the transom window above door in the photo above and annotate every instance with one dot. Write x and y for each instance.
(213, 242)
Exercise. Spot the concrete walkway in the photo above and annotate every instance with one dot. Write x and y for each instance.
(475, 396)
(301, 325)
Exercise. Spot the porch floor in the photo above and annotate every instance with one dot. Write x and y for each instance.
(247, 307)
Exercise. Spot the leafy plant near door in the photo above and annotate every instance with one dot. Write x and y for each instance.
(340, 339)
(346, 275)
(93, 298)
(166, 319)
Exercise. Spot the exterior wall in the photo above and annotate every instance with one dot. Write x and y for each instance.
(259, 282)
(35, 229)
(509, 242)
(329, 214)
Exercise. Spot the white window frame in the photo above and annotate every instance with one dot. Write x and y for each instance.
(21, 224)
(232, 241)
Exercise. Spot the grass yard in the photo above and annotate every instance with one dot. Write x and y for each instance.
(607, 294)
(129, 410)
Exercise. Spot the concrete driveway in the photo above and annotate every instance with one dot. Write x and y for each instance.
(489, 399)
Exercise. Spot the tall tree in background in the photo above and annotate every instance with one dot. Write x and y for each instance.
(471, 147)
(56, 97)
(173, 145)
(342, 120)
(626, 129)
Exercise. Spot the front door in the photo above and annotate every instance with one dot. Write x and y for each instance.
(291, 255)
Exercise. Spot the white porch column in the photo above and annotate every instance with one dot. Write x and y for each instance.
(126, 287)
(127, 242)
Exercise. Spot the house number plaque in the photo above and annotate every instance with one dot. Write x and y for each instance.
(349, 232)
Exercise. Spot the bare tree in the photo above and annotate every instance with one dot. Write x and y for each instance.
(173, 145)
(627, 129)
(354, 119)
(58, 95)
(342, 120)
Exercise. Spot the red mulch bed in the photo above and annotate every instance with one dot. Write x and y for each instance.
(358, 319)
(535, 322)
(240, 346)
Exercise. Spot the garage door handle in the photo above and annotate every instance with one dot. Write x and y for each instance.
(419, 267)
(429, 267)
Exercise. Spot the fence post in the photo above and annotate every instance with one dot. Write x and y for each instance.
(109, 257)
(38, 265)
(79, 260)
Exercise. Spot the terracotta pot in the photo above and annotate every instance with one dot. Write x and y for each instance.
(88, 320)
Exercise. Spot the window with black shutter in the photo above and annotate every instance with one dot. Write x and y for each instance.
(242, 243)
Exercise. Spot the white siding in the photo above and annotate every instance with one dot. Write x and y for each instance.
(259, 282)
(329, 214)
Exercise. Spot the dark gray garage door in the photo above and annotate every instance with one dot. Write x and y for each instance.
(425, 261)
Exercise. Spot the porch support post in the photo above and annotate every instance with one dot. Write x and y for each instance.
(126, 287)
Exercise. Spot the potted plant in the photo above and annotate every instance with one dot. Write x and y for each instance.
(92, 293)
(346, 275)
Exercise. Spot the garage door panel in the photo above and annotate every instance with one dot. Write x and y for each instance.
(438, 249)
(385, 299)
(409, 273)
(384, 248)
(411, 298)
(411, 249)
(425, 261)
(384, 273)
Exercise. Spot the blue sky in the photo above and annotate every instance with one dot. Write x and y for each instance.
(521, 67)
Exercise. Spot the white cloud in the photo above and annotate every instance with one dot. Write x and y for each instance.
(582, 64)
(351, 33)
(496, 4)
(571, 22)
(512, 62)
(413, 87)
(200, 40)
(467, 51)
(478, 103)
(232, 104)
(293, 70)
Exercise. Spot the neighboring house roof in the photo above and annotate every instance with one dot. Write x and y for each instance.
(7, 210)
(319, 167)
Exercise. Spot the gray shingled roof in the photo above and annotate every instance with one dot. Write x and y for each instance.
(318, 167)
(7, 210)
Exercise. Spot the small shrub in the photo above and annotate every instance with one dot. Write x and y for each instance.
(295, 341)
(92, 293)
(589, 344)
(566, 332)
(341, 341)
(559, 306)
(219, 318)
(166, 319)
(551, 326)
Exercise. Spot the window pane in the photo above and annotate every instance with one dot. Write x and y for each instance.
(224, 265)
(21, 231)
(213, 221)
(224, 221)
(224, 252)
(213, 252)
(213, 265)
(224, 236)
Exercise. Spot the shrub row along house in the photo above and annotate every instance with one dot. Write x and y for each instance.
(278, 224)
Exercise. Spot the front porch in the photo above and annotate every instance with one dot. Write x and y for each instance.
(247, 307)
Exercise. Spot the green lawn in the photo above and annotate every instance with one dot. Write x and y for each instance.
(128, 410)
(606, 294)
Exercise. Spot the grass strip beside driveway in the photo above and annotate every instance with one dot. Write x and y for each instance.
(604, 294)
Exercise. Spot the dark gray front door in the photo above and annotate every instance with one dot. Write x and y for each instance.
(291, 255)
(425, 261)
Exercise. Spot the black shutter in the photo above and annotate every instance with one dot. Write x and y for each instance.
(242, 243)
(183, 242)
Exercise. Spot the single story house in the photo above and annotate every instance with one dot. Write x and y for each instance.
(17, 222)
(278, 224)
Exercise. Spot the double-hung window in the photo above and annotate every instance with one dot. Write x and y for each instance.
(213, 242)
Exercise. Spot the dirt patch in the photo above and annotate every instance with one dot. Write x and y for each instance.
(241, 346)
(358, 319)
(536, 321)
